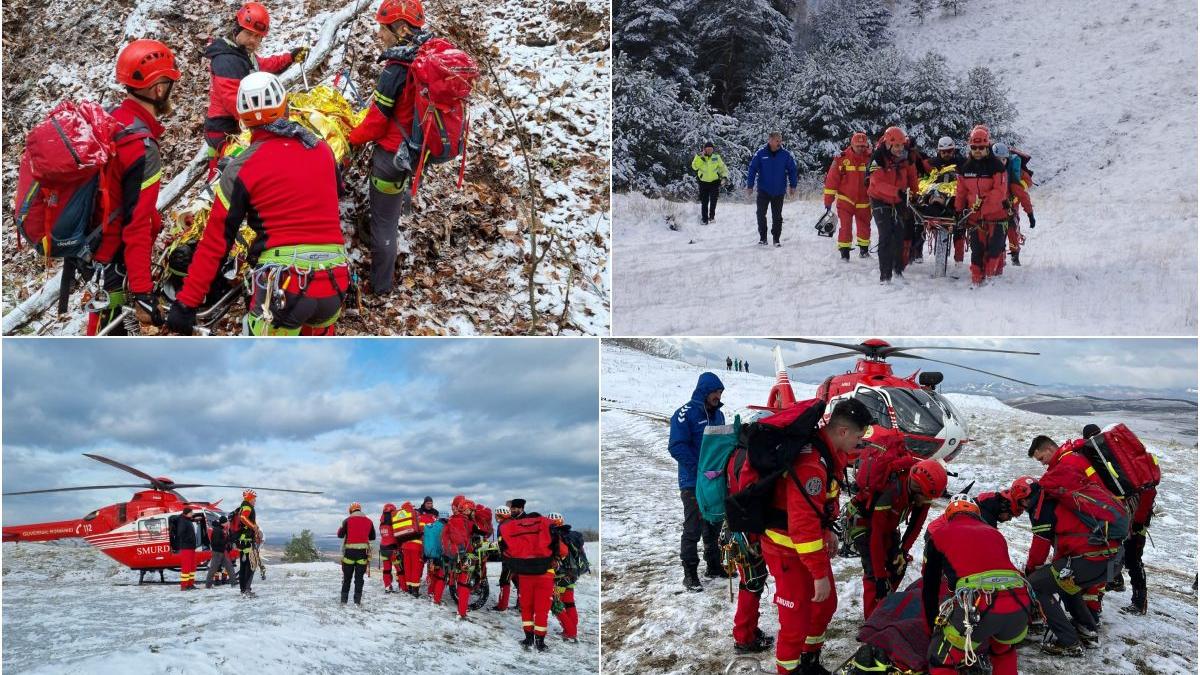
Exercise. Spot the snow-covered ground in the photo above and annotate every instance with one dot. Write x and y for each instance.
(71, 610)
(1107, 105)
(652, 625)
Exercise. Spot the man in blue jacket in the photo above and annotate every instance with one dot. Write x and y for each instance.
(775, 170)
(687, 429)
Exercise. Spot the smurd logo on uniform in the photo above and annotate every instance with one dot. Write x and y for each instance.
(813, 486)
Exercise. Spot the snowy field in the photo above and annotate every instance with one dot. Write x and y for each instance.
(1105, 99)
(73, 610)
(650, 622)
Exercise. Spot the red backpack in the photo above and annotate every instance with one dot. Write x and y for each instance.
(456, 537)
(1121, 461)
(527, 538)
(483, 520)
(441, 78)
(405, 526)
(66, 178)
(877, 463)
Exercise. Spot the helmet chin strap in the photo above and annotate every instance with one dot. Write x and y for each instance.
(162, 105)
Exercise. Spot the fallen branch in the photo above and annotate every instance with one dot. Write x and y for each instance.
(173, 191)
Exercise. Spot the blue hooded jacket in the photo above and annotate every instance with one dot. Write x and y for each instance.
(775, 171)
(687, 429)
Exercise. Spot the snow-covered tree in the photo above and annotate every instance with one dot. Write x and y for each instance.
(985, 100)
(850, 24)
(735, 40)
(931, 106)
(954, 6)
(655, 36)
(921, 9)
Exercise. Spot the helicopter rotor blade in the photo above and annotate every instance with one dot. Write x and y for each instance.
(959, 365)
(888, 351)
(822, 359)
(809, 341)
(114, 463)
(70, 489)
(246, 487)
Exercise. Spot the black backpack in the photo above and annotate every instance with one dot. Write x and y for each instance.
(575, 564)
(173, 533)
(766, 450)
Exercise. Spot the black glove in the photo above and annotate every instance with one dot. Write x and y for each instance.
(299, 54)
(1032, 222)
(181, 318)
(882, 588)
(146, 306)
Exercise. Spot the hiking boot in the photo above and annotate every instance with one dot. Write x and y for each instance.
(1089, 638)
(845, 255)
(810, 664)
(777, 244)
(758, 644)
(498, 608)
(762, 242)
(690, 581)
(1137, 604)
(415, 592)
(712, 217)
(528, 641)
(570, 639)
(864, 252)
(249, 594)
(1117, 585)
(540, 643)
(1055, 649)
(704, 221)
(1016, 258)
(716, 572)
(388, 589)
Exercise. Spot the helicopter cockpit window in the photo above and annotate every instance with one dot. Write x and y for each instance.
(876, 405)
(916, 411)
(152, 527)
(91, 515)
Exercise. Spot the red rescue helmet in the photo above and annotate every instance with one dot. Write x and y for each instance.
(355, 506)
(466, 506)
(407, 506)
(961, 504)
(457, 502)
(859, 138)
(408, 11)
(143, 62)
(929, 477)
(980, 136)
(389, 507)
(253, 17)
(249, 495)
(1021, 488)
(894, 135)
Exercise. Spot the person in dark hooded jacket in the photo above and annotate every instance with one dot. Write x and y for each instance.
(687, 430)
(231, 58)
(220, 545)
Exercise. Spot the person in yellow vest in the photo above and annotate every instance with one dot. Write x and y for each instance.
(407, 529)
(710, 171)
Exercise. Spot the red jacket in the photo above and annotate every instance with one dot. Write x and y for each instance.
(983, 182)
(889, 176)
(845, 180)
(356, 530)
(286, 192)
(892, 506)
(1019, 192)
(390, 113)
(961, 547)
(385, 529)
(807, 527)
(1055, 523)
(228, 64)
(1068, 469)
(136, 224)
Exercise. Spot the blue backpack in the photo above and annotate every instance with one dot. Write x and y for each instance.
(433, 540)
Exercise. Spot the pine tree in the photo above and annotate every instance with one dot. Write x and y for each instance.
(301, 548)
(931, 106)
(951, 5)
(921, 9)
(985, 100)
(654, 36)
(735, 40)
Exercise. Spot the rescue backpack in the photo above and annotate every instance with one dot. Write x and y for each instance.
(575, 564)
(712, 486)
(433, 539)
(1105, 518)
(441, 78)
(1121, 461)
(409, 531)
(528, 544)
(483, 520)
(766, 450)
(876, 465)
(456, 538)
(65, 183)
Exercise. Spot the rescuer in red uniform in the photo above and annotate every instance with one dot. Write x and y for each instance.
(357, 532)
(531, 546)
(388, 548)
(845, 183)
(407, 527)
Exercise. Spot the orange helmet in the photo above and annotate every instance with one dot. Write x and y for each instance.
(142, 62)
(894, 135)
(389, 507)
(253, 17)
(466, 506)
(859, 138)
(457, 501)
(980, 136)
(409, 11)
(355, 506)
(407, 506)
(249, 495)
(1021, 488)
(929, 477)
(961, 504)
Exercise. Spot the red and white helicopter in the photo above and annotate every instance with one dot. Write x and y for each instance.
(931, 426)
(133, 533)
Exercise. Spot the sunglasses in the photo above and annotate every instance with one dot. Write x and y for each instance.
(980, 147)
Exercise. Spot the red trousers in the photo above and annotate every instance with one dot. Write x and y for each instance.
(569, 617)
(437, 582)
(987, 250)
(464, 593)
(389, 559)
(502, 603)
(802, 622)
(187, 568)
(848, 215)
(745, 617)
(537, 594)
(1014, 233)
(412, 551)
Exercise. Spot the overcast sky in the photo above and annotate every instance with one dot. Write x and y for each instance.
(1157, 364)
(365, 420)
